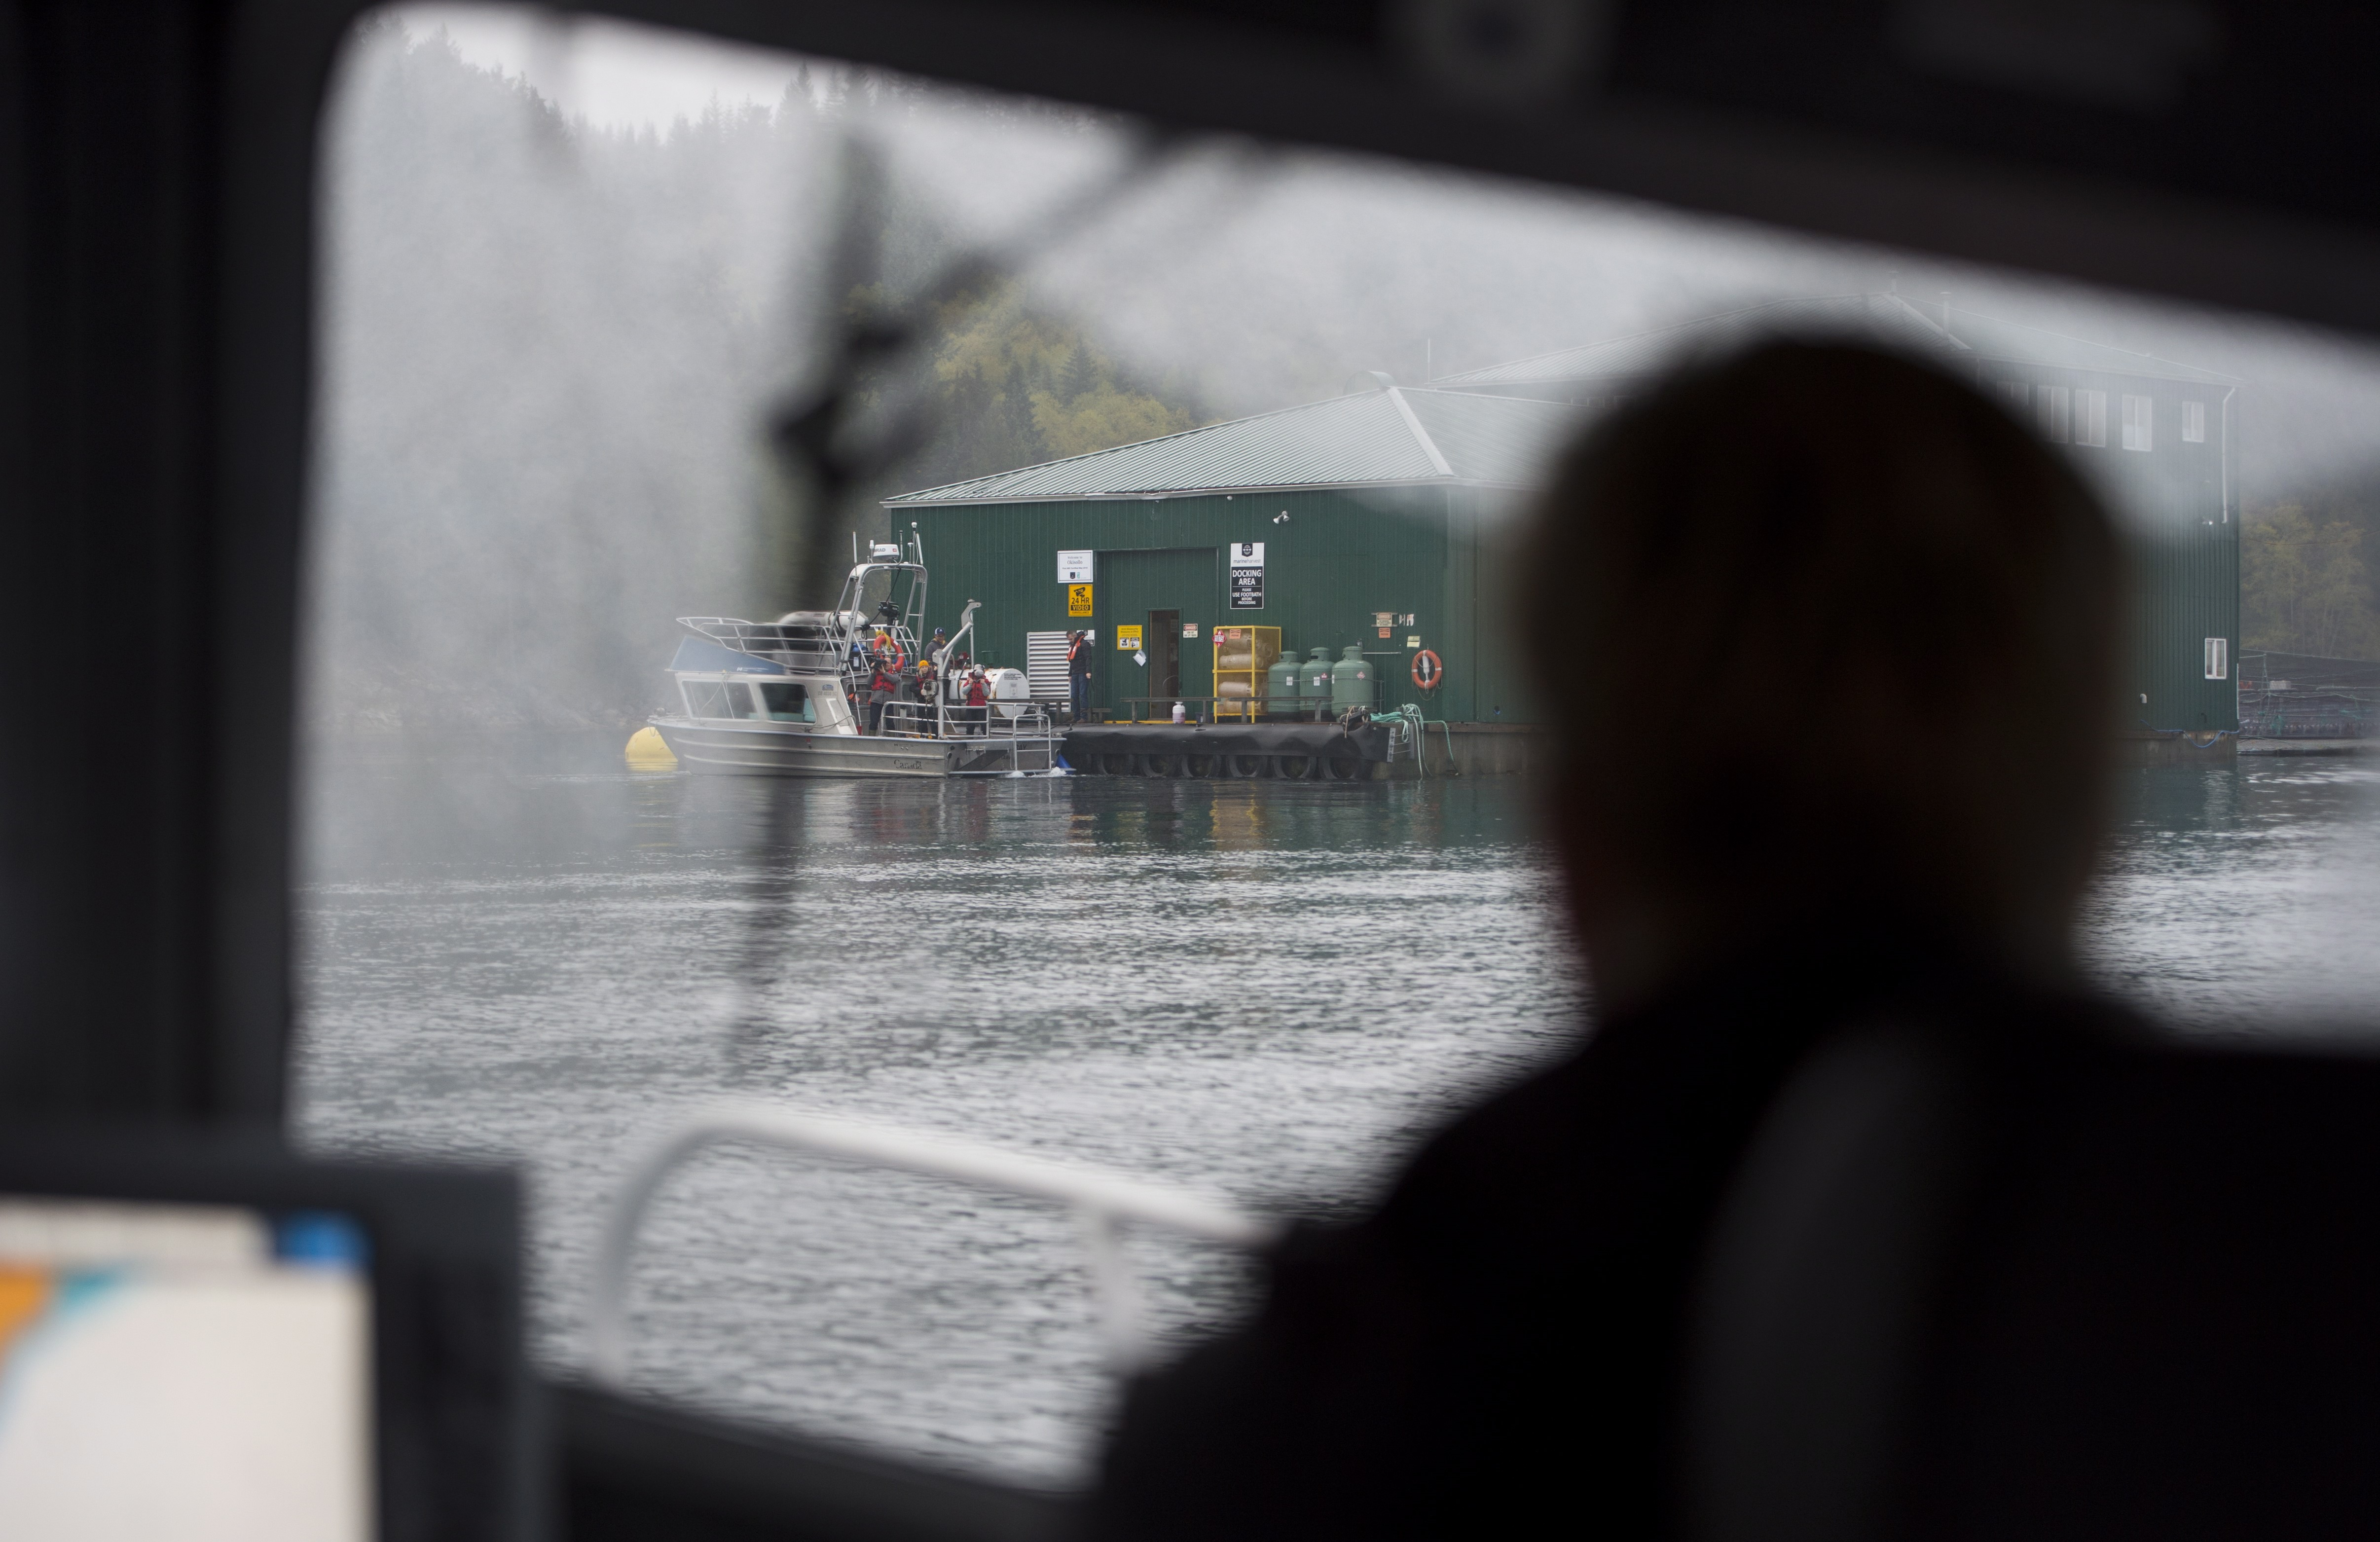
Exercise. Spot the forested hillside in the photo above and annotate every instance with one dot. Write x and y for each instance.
(2306, 572)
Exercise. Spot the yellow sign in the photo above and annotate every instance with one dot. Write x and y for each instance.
(1128, 640)
(1078, 599)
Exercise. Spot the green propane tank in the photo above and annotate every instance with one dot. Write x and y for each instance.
(1351, 681)
(1314, 676)
(1281, 687)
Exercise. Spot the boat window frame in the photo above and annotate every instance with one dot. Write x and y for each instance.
(728, 679)
(809, 702)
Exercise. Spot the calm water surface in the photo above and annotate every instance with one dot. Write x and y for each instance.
(515, 950)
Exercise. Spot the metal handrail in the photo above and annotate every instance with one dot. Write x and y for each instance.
(1102, 1202)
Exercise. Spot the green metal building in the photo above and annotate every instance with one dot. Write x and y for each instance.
(1381, 518)
(1370, 519)
(2158, 437)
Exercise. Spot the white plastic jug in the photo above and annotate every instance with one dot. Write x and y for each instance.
(1179, 716)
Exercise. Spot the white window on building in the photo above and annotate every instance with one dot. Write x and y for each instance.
(2050, 407)
(2139, 423)
(2091, 417)
(2218, 658)
(2194, 423)
(2012, 394)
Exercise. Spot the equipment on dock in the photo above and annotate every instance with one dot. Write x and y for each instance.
(1244, 656)
(1352, 680)
(1315, 682)
(1281, 687)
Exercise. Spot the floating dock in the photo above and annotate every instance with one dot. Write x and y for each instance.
(1290, 751)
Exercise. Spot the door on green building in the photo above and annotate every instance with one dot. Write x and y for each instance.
(1163, 593)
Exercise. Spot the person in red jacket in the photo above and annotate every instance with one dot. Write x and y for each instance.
(979, 702)
(881, 686)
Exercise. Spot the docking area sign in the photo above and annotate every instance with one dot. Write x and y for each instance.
(1247, 574)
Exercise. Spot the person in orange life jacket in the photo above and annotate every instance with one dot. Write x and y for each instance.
(881, 688)
(979, 700)
(1078, 672)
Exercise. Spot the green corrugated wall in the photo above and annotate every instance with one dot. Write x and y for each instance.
(2186, 549)
(1339, 557)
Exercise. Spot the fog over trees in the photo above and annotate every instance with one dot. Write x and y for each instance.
(547, 358)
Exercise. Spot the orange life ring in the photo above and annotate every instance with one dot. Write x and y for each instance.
(1427, 670)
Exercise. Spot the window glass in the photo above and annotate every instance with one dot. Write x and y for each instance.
(710, 699)
(787, 701)
(2050, 401)
(2139, 423)
(2194, 423)
(2091, 417)
(2218, 658)
(583, 284)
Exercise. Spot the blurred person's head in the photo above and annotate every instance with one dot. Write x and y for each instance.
(1830, 643)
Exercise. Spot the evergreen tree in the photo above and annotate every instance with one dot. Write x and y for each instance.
(2304, 586)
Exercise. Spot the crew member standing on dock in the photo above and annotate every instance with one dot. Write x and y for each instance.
(1078, 675)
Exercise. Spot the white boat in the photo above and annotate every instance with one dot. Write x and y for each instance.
(785, 698)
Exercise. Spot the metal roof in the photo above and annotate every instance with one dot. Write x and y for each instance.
(1890, 321)
(1392, 437)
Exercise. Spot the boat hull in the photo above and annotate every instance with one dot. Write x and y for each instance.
(777, 749)
(773, 749)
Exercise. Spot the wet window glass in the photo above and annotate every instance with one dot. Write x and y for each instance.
(787, 703)
(2051, 403)
(2139, 423)
(712, 698)
(593, 297)
(2091, 418)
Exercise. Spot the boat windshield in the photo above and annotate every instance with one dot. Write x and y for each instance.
(1094, 378)
(719, 699)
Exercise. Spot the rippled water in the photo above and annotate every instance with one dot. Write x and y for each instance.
(1264, 989)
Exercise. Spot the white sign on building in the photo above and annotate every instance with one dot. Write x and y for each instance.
(1248, 553)
(1073, 567)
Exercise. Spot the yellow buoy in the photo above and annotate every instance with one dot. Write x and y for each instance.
(649, 751)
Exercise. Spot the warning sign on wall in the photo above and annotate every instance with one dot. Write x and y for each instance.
(1078, 599)
(1128, 640)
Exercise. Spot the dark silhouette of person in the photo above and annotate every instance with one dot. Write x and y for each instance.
(1079, 675)
(1890, 617)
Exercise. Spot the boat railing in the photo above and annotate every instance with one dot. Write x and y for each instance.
(1102, 1202)
(949, 720)
(794, 644)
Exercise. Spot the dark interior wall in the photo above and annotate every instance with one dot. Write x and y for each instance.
(155, 163)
